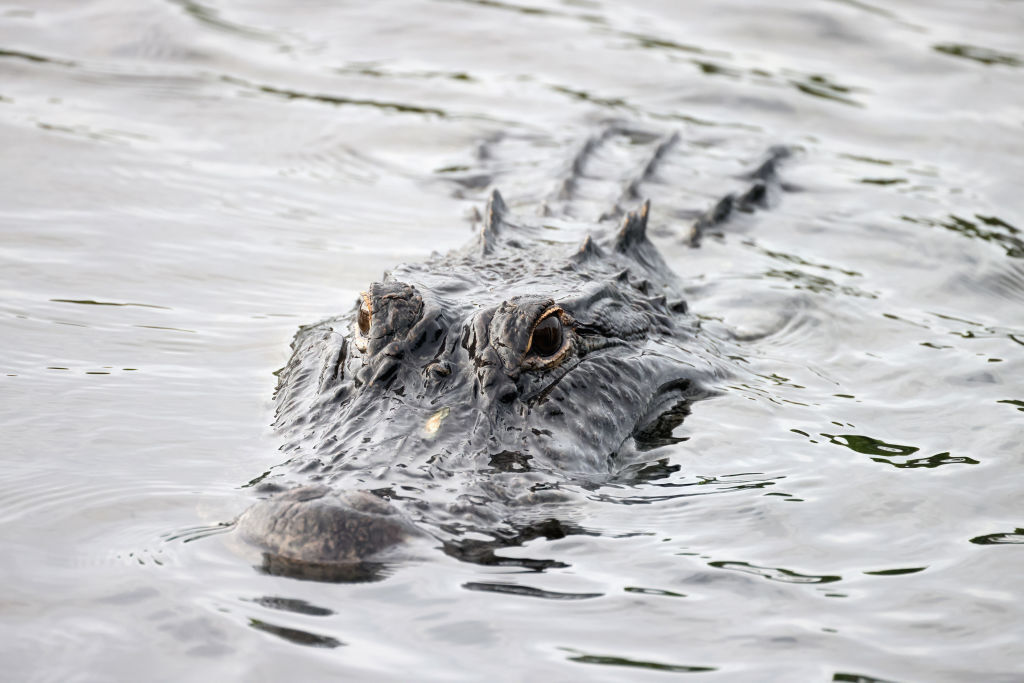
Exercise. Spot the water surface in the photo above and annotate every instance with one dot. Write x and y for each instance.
(185, 183)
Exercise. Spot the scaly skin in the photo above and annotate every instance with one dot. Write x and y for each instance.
(482, 390)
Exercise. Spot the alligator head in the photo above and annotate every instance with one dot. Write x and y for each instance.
(476, 394)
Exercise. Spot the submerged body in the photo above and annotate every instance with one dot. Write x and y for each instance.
(477, 394)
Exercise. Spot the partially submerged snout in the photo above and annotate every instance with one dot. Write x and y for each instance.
(316, 532)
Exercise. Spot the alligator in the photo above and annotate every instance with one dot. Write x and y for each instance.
(473, 399)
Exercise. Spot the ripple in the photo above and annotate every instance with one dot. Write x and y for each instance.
(1016, 537)
(780, 318)
(336, 100)
(38, 59)
(982, 55)
(196, 533)
(39, 496)
(881, 12)
(985, 228)
(529, 10)
(801, 261)
(1004, 279)
(210, 17)
(91, 302)
(526, 591)
(372, 70)
(293, 605)
(657, 43)
(882, 181)
(896, 455)
(775, 573)
(609, 660)
(818, 85)
(816, 283)
(824, 87)
(845, 677)
(975, 330)
(654, 591)
(1013, 402)
(294, 635)
(295, 153)
(703, 486)
(896, 572)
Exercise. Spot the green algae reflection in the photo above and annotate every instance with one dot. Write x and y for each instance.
(893, 454)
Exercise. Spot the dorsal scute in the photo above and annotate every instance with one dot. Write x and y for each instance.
(494, 219)
(588, 251)
(633, 230)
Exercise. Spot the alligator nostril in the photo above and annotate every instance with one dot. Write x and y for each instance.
(507, 394)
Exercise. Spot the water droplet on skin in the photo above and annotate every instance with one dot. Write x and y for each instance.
(434, 421)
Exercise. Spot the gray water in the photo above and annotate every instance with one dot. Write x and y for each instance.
(183, 183)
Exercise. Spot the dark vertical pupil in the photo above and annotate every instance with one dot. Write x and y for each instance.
(547, 336)
(364, 320)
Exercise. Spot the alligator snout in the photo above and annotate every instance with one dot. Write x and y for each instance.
(314, 530)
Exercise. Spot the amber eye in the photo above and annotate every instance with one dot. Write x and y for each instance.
(364, 318)
(547, 336)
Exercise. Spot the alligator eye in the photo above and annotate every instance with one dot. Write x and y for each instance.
(364, 317)
(547, 336)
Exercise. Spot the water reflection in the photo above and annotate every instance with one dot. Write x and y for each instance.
(336, 100)
(985, 228)
(701, 486)
(879, 11)
(817, 283)
(91, 302)
(774, 573)
(824, 87)
(657, 43)
(196, 533)
(844, 677)
(527, 591)
(211, 17)
(328, 572)
(610, 660)
(292, 605)
(896, 572)
(801, 261)
(484, 552)
(895, 120)
(1013, 537)
(654, 591)
(512, 7)
(39, 59)
(982, 55)
(1013, 402)
(294, 635)
(895, 454)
